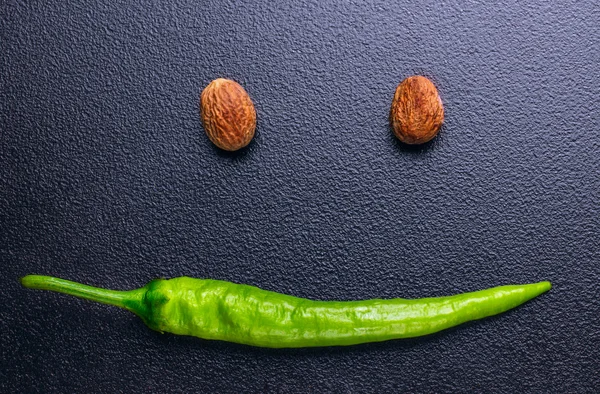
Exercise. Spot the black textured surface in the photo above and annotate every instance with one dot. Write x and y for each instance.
(106, 177)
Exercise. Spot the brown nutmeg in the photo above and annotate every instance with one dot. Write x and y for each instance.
(228, 114)
(417, 112)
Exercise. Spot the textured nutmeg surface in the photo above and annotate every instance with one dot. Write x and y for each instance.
(417, 112)
(107, 178)
(228, 114)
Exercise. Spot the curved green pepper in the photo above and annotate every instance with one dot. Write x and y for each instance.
(214, 309)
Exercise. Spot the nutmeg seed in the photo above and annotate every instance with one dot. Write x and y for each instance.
(417, 112)
(228, 114)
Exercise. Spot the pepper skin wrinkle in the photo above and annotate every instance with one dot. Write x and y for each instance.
(226, 311)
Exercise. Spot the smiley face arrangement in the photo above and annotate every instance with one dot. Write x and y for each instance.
(226, 311)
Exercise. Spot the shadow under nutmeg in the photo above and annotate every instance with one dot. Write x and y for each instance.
(428, 146)
(243, 153)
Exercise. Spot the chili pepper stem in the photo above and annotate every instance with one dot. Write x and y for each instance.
(122, 299)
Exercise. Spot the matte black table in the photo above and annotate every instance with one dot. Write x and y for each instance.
(107, 177)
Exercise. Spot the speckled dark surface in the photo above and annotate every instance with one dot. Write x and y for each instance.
(106, 177)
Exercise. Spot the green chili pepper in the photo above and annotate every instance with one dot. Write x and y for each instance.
(214, 309)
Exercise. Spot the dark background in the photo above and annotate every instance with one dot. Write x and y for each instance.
(107, 177)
